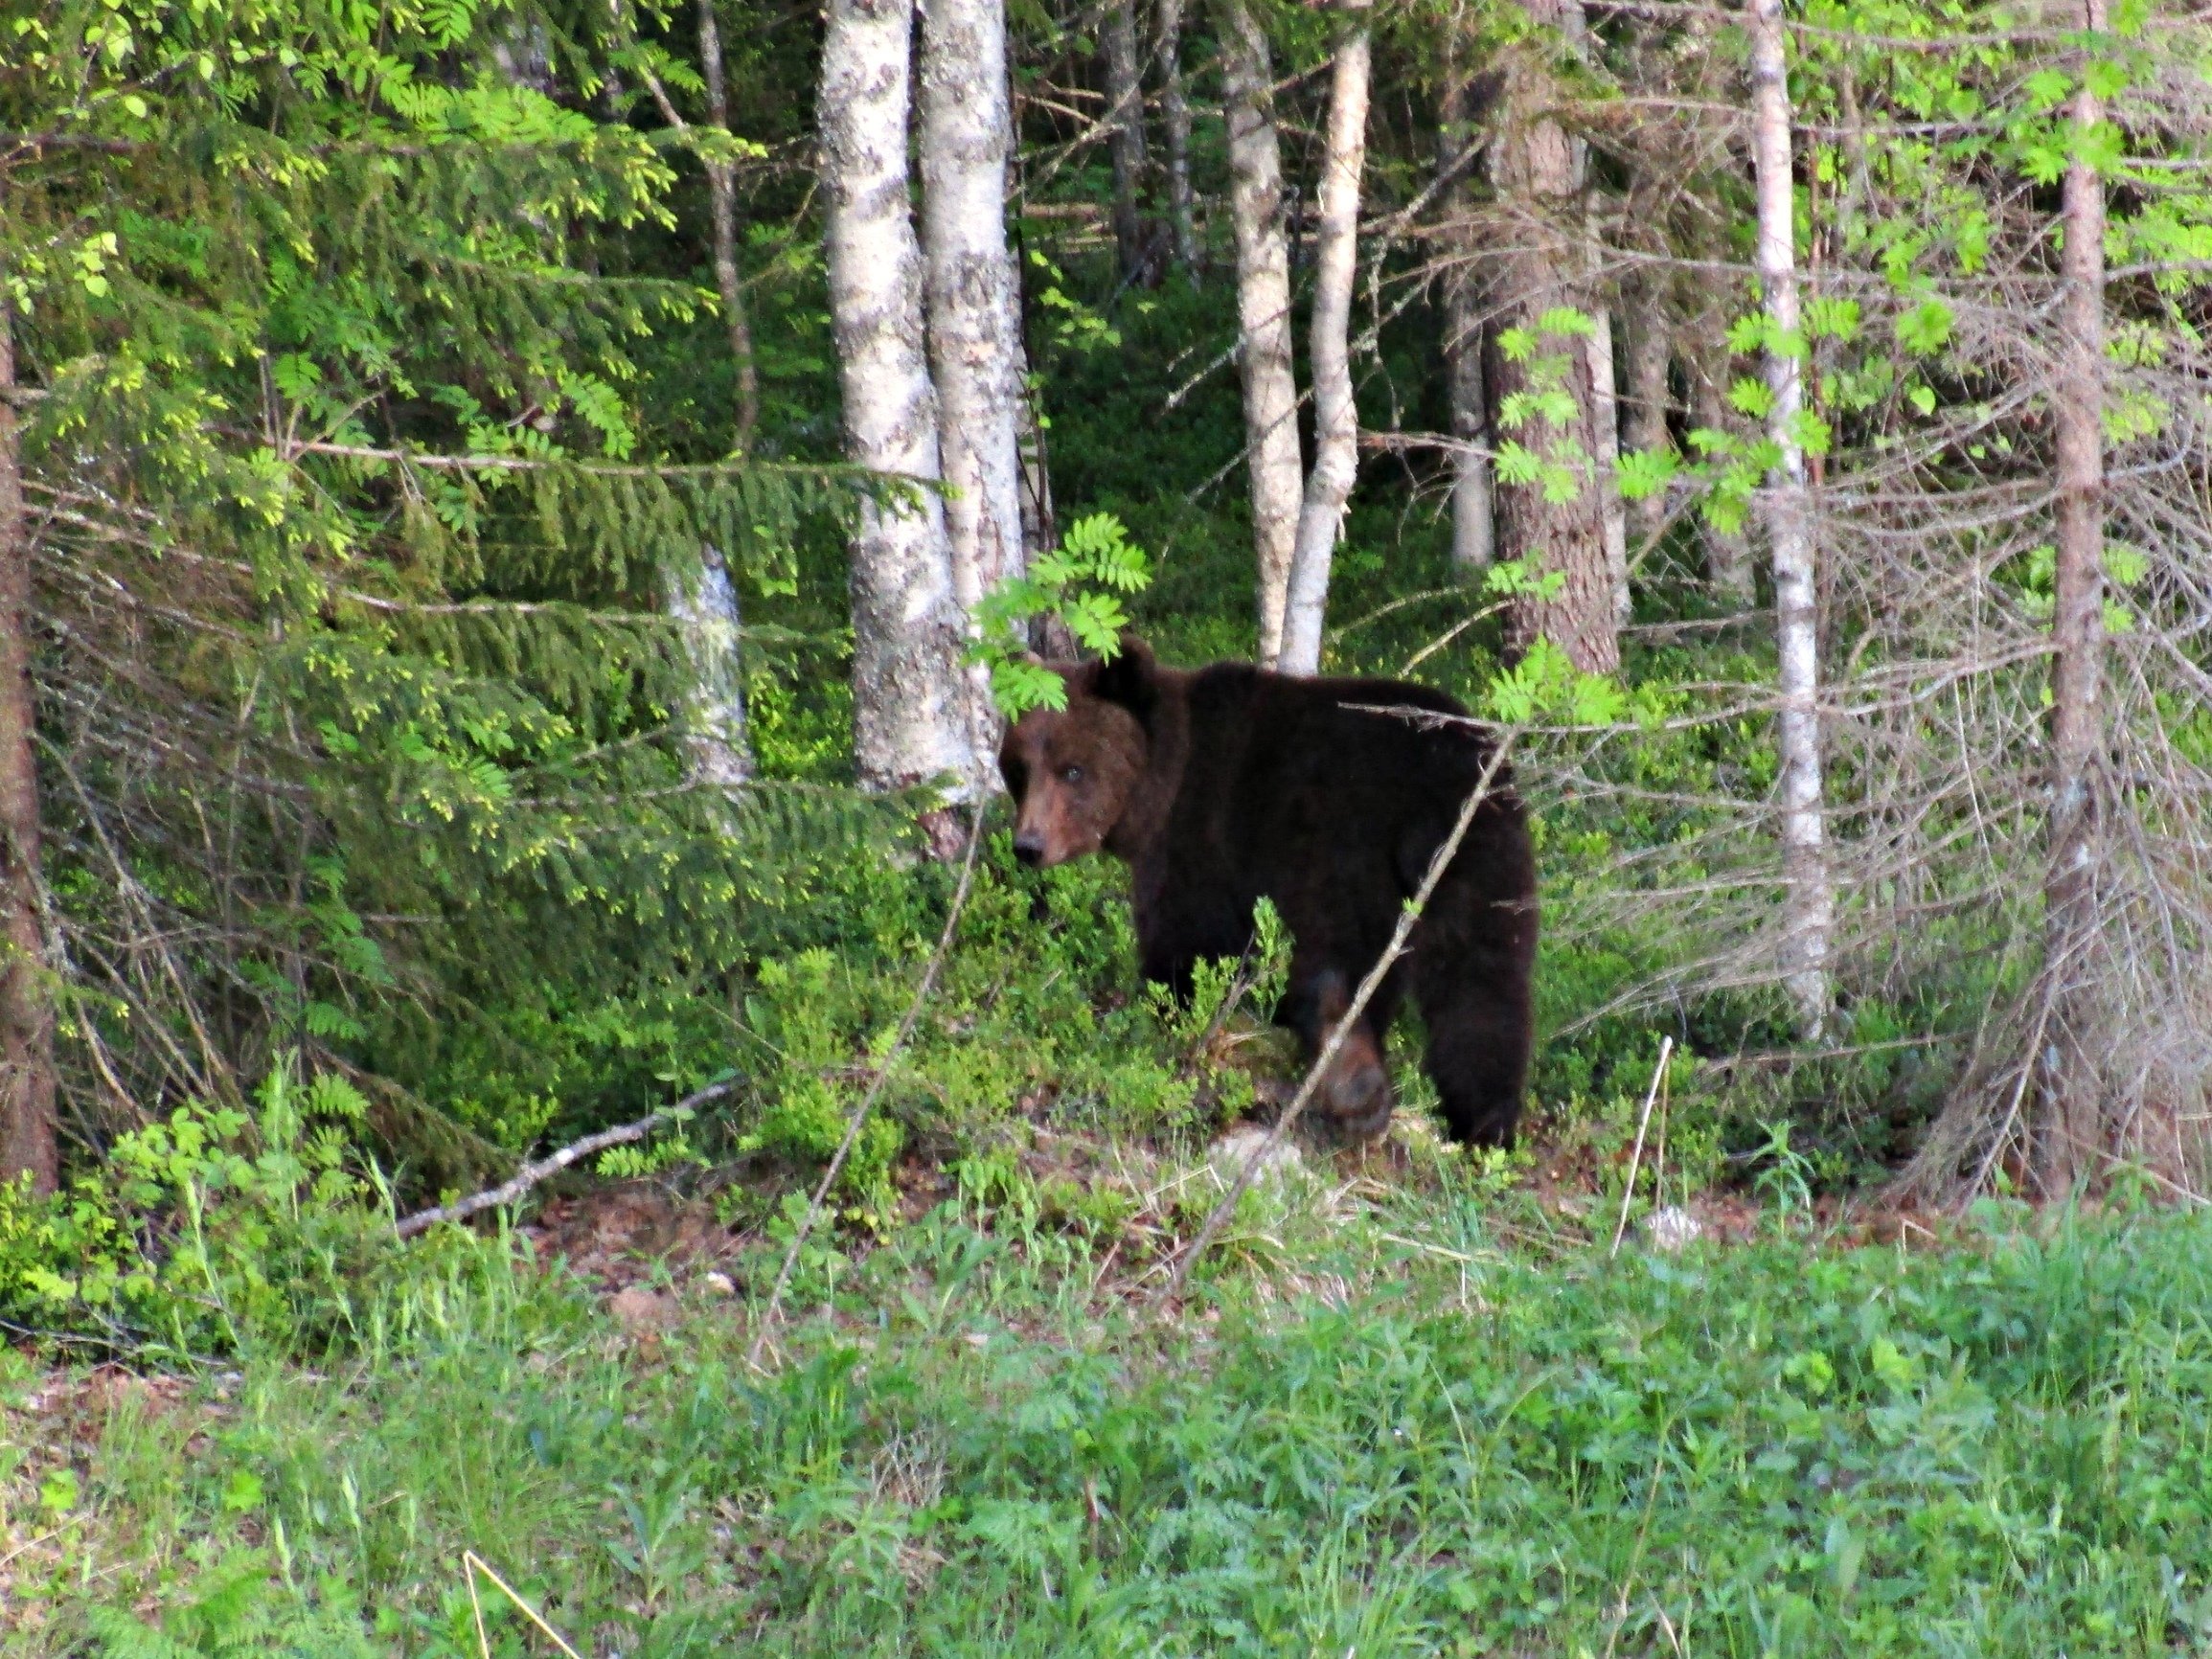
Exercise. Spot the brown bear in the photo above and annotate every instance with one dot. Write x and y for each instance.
(1224, 784)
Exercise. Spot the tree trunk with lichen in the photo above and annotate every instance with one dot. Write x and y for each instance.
(27, 1143)
(1329, 351)
(1535, 179)
(974, 311)
(1810, 896)
(2072, 1138)
(703, 604)
(1272, 456)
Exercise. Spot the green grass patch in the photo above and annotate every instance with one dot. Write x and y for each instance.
(1379, 1430)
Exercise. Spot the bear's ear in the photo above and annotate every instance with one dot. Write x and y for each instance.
(1131, 679)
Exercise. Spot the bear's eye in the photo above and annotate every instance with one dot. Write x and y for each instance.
(1071, 774)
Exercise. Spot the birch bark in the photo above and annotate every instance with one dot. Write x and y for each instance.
(703, 604)
(1271, 448)
(1329, 331)
(2073, 1137)
(1809, 899)
(910, 693)
(975, 307)
(1605, 423)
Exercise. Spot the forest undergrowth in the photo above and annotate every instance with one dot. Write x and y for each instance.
(447, 743)
(1416, 1401)
(1406, 1410)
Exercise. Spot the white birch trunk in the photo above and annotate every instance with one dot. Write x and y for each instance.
(1337, 414)
(1271, 449)
(1811, 902)
(2073, 1138)
(703, 603)
(910, 693)
(974, 308)
(1125, 116)
(1175, 118)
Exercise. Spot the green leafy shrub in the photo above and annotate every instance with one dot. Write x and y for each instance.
(209, 1231)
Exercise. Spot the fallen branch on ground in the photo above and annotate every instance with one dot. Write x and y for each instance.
(530, 1174)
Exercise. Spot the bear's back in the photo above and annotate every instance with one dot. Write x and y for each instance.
(1339, 736)
(1276, 769)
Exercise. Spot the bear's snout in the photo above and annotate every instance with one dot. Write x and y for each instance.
(1029, 848)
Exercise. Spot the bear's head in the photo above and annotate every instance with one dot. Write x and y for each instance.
(1072, 771)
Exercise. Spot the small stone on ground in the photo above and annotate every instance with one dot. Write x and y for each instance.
(1229, 1154)
(1670, 1227)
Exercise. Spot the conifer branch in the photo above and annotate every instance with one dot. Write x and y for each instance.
(590, 469)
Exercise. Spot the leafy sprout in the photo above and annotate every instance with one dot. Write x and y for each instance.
(1081, 582)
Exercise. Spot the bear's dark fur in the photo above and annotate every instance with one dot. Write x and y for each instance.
(1223, 785)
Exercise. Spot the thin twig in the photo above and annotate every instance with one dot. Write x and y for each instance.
(471, 1565)
(1637, 1157)
(1391, 952)
(852, 1125)
(530, 1174)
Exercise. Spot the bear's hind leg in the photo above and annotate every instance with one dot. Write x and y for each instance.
(1477, 1014)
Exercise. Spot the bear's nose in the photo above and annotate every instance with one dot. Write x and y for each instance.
(1029, 848)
